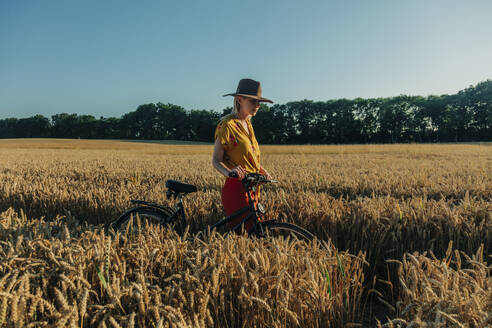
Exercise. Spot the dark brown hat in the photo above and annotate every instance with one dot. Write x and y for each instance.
(249, 88)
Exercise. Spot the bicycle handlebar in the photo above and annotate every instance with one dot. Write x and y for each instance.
(252, 178)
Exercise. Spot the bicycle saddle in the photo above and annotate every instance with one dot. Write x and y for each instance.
(177, 186)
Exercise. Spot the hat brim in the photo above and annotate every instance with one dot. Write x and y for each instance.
(249, 96)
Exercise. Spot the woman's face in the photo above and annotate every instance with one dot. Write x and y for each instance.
(249, 105)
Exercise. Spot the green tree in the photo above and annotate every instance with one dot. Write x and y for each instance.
(36, 126)
(8, 128)
(172, 122)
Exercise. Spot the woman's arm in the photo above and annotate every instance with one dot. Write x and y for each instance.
(218, 162)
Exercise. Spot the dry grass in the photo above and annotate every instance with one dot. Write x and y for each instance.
(157, 278)
(455, 291)
(383, 200)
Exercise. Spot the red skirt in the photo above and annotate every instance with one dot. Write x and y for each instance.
(234, 198)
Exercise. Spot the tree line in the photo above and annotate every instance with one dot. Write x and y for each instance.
(461, 117)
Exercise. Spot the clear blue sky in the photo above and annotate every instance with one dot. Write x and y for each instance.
(105, 58)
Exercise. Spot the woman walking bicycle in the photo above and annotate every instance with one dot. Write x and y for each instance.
(236, 155)
(236, 149)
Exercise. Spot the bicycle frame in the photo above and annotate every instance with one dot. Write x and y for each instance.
(179, 211)
(249, 207)
(256, 210)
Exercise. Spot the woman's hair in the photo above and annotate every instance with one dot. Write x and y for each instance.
(235, 110)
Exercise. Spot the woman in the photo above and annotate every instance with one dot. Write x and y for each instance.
(236, 148)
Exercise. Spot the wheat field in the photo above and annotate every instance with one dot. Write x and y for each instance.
(404, 238)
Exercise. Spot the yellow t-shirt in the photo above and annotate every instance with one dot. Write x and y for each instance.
(239, 147)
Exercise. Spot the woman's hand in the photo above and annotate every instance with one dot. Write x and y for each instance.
(240, 171)
(265, 173)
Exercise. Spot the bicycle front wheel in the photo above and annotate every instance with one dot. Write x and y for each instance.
(285, 230)
(138, 219)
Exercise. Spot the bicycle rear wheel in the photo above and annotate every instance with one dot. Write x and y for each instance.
(139, 218)
(285, 230)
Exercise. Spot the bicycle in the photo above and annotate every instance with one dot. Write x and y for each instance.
(164, 215)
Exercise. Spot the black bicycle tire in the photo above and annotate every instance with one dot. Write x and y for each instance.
(142, 212)
(300, 233)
